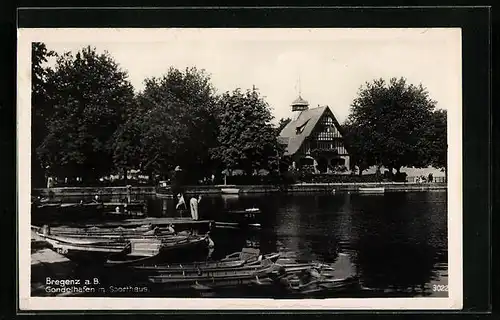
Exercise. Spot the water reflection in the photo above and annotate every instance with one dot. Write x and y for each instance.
(393, 242)
(401, 240)
(396, 241)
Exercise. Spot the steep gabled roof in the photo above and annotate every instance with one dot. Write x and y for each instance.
(306, 121)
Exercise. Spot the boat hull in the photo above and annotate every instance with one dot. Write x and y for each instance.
(230, 190)
(210, 269)
(322, 286)
(208, 279)
(182, 250)
(87, 253)
(97, 239)
(372, 190)
(121, 252)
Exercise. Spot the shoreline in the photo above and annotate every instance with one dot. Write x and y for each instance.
(140, 192)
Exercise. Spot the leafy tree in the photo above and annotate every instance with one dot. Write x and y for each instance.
(388, 124)
(246, 138)
(362, 149)
(173, 124)
(127, 150)
(88, 96)
(283, 122)
(39, 105)
(436, 140)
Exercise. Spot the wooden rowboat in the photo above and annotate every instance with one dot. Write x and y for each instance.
(321, 285)
(245, 211)
(99, 230)
(98, 235)
(124, 251)
(249, 254)
(220, 266)
(230, 190)
(317, 279)
(207, 279)
(248, 213)
(85, 252)
(148, 251)
(111, 233)
(290, 266)
(236, 225)
(372, 190)
(96, 239)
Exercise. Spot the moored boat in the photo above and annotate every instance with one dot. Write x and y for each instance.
(250, 254)
(230, 190)
(248, 213)
(95, 239)
(315, 280)
(86, 252)
(124, 250)
(235, 260)
(236, 225)
(150, 251)
(112, 233)
(371, 190)
(215, 278)
(101, 230)
(321, 285)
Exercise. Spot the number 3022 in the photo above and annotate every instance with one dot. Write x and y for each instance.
(439, 287)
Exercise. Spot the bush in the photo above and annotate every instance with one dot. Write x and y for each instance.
(333, 178)
(290, 177)
(255, 180)
(105, 183)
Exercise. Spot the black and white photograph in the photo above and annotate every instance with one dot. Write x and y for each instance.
(240, 168)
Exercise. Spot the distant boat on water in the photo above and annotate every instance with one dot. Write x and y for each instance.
(372, 190)
(230, 190)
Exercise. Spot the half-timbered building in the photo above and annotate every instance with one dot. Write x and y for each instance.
(314, 139)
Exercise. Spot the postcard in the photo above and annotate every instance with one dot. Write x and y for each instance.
(239, 169)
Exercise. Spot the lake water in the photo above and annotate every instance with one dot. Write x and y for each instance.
(396, 243)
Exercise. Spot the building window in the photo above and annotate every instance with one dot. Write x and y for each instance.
(327, 120)
(328, 133)
(327, 130)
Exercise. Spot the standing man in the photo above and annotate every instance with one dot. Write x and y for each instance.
(50, 182)
(194, 204)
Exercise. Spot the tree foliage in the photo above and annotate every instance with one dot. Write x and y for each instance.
(88, 97)
(89, 123)
(436, 139)
(283, 122)
(40, 109)
(363, 152)
(389, 125)
(172, 124)
(246, 139)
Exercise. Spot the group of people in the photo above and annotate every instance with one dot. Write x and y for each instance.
(422, 179)
(193, 205)
(177, 182)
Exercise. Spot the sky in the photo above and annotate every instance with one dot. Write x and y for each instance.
(329, 64)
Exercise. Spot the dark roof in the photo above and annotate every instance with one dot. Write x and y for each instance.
(300, 102)
(306, 120)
